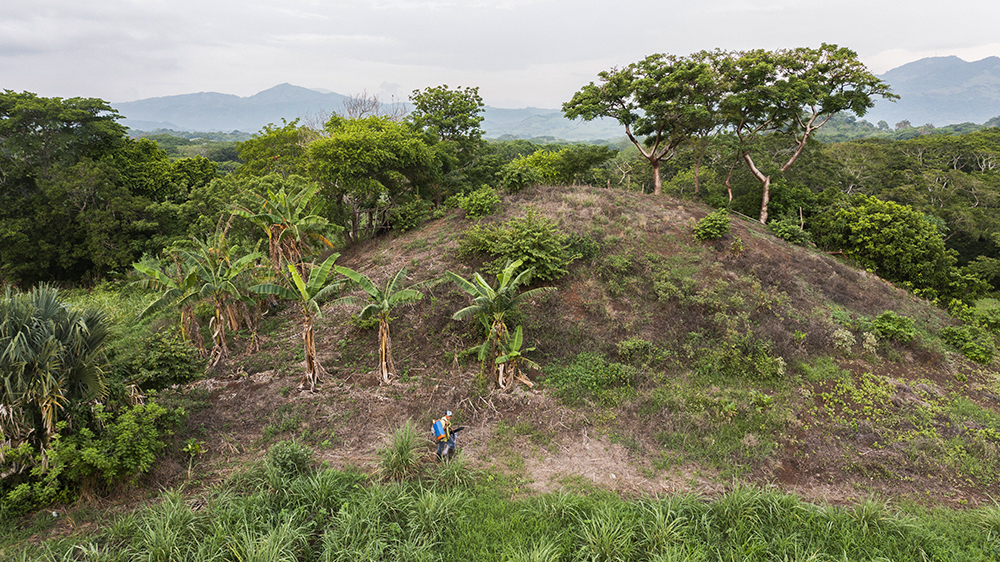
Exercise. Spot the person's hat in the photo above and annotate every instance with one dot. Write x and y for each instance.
(449, 413)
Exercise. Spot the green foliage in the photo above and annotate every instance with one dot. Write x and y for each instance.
(410, 215)
(535, 240)
(972, 341)
(745, 356)
(52, 360)
(591, 377)
(112, 448)
(289, 458)
(635, 350)
(449, 114)
(714, 226)
(519, 174)
(789, 230)
(155, 361)
(480, 203)
(273, 150)
(401, 458)
(896, 242)
(893, 326)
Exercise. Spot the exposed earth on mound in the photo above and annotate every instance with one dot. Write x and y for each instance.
(561, 448)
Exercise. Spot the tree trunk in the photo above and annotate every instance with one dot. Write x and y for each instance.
(765, 183)
(313, 367)
(386, 367)
(657, 182)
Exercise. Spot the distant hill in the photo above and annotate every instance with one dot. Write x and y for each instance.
(210, 111)
(941, 91)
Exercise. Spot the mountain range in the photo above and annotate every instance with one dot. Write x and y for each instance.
(939, 91)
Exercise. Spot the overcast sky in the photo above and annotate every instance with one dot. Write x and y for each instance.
(519, 52)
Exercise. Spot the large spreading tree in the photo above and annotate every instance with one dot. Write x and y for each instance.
(790, 92)
(662, 101)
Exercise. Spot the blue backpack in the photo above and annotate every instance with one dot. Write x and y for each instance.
(438, 429)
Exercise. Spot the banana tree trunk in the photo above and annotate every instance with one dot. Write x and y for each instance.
(313, 367)
(386, 367)
(219, 348)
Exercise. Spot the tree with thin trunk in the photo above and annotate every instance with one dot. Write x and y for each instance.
(380, 303)
(791, 92)
(308, 293)
(662, 101)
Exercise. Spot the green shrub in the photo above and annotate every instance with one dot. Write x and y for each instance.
(480, 203)
(289, 458)
(743, 356)
(155, 361)
(518, 175)
(890, 325)
(635, 350)
(410, 215)
(113, 448)
(789, 231)
(591, 376)
(971, 341)
(535, 240)
(713, 226)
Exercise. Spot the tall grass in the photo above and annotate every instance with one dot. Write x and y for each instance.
(333, 516)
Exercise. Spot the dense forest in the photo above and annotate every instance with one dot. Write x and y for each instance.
(219, 230)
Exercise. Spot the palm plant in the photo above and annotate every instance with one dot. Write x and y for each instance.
(510, 360)
(50, 356)
(181, 291)
(289, 228)
(220, 276)
(308, 293)
(491, 305)
(380, 302)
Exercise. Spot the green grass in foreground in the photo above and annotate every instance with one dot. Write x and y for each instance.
(270, 513)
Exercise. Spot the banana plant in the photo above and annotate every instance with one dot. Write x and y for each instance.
(492, 304)
(285, 219)
(308, 293)
(509, 362)
(181, 292)
(381, 302)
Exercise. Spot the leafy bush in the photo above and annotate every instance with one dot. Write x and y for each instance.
(789, 231)
(410, 215)
(713, 226)
(591, 376)
(743, 356)
(113, 448)
(155, 361)
(890, 325)
(635, 350)
(971, 341)
(533, 239)
(518, 175)
(480, 203)
(289, 458)
(844, 340)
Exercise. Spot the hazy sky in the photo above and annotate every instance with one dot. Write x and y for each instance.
(519, 52)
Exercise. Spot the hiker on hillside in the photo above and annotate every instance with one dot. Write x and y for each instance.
(444, 436)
